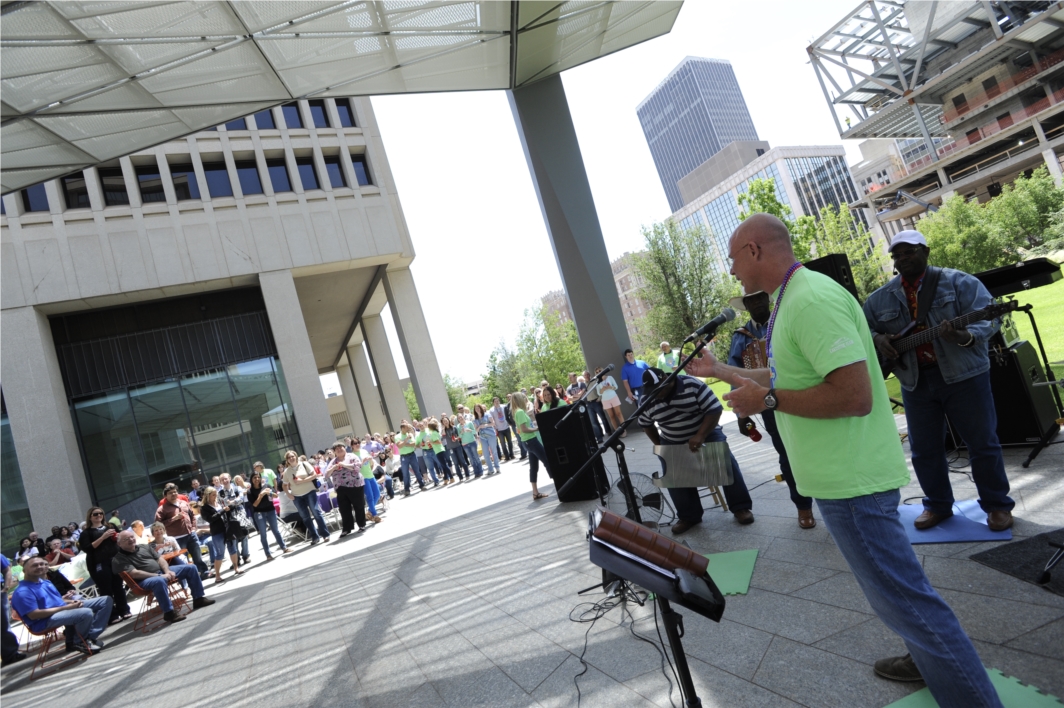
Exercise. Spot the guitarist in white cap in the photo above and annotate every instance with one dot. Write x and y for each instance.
(946, 376)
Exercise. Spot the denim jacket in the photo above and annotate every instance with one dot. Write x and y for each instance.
(887, 312)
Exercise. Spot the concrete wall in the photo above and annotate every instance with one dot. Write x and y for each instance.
(732, 158)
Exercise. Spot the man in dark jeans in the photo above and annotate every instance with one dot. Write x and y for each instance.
(508, 409)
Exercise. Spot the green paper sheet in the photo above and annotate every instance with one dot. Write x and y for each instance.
(732, 571)
(1012, 693)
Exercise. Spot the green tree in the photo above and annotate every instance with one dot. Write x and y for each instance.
(411, 401)
(455, 392)
(682, 286)
(837, 232)
(502, 376)
(547, 348)
(1023, 212)
(760, 198)
(961, 237)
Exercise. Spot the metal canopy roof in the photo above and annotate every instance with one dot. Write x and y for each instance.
(86, 82)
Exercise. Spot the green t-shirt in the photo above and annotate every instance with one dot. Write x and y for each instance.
(468, 431)
(407, 443)
(668, 362)
(431, 438)
(368, 463)
(521, 418)
(819, 328)
(269, 477)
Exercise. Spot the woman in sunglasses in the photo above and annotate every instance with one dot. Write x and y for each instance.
(98, 543)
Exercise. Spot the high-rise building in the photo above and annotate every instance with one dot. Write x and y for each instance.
(697, 110)
(167, 314)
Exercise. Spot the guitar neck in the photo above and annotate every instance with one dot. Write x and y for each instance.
(932, 333)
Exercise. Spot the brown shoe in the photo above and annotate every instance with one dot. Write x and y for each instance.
(805, 518)
(929, 518)
(744, 517)
(683, 527)
(999, 520)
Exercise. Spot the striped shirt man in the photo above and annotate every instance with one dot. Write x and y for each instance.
(679, 416)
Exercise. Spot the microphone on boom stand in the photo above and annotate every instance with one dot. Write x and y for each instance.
(726, 315)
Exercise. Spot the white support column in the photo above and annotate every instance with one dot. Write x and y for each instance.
(352, 401)
(297, 358)
(380, 353)
(376, 420)
(416, 343)
(1053, 163)
(52, 472)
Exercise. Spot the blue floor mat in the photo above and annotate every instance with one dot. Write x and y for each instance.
(967, 524)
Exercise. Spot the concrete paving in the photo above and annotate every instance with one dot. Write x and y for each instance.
(462, 597)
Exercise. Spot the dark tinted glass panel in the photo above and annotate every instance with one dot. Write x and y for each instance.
(278, 176)
(14, 509)
(165, 434)
(336, 173)
(215, 422)
(291, 115)
(75, 192)
(185, 184)
(114, 186)
(347, 116)
(361, 170)
(307, 175)
(151, 184)
(112, 449)
(264, 120)
(34, 198)
(217, 179)
(248, 174)
(265, 415)
(317, 112)
(3, 209)
(238, 124)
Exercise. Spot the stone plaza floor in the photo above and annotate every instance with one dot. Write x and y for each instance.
(462, 596)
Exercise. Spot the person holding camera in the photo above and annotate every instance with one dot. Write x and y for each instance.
(260, 496)
(98, 544)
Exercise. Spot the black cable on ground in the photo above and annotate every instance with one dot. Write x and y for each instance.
(667, 657)
(659, 649)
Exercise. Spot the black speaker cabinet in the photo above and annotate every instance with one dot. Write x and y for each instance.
(837, 267)
(1024, 412)
(567, 451)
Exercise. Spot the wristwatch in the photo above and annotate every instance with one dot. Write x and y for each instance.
(770, 400)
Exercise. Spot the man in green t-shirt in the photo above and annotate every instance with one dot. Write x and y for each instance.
(831, 406)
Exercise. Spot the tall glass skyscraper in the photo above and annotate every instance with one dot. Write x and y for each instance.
(697, 110)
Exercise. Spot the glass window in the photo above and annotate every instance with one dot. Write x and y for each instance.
(238, 124)
(165, 435)
(151, 184)
(278, 175)
(35, 198)
(215, 422)
(307, 175)
(336, 173)
(15, 520)
(361, 170)
(317, 112)
(3, 208)
(347, 115)
(113, 184)
(265, 415)
(185, 184)
(111, 448)
(264, 120)
(292, 118)
(248, 174)
(75, 193)
(217, 177)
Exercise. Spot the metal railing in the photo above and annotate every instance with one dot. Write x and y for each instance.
(1017, 79)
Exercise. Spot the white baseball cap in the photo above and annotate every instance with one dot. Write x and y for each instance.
(908, 236)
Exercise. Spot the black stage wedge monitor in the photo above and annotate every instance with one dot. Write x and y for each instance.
(567, 451)
(837, 267)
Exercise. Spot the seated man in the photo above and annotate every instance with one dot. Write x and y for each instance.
(41, 608)
(153, 573)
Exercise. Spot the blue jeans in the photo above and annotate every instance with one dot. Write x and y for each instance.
(458, 456)
(219, 545)
(159, 587)
(870, 537)
(387, 481)
(444, 462)
(373, 495)
(491, 454)
(474, 458)
(410, 462)
(521, 446)
(191, 543)
(262, 520)
(428, 458)
(689, 504)
(88, 621)
(801, 503)
(597, 412)
(970, 407)
(310, 512)
(8, 640)
(536, 454)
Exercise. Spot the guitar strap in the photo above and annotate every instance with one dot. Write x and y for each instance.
(927, 293)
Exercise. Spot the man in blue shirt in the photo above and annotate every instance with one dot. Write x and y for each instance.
(632, 375)
(41, 608)
(9, 652)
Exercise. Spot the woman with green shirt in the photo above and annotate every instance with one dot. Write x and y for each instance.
(428, 451)
(468, 431)
(529, 434)
(551, 399)
(407, 442)
(439, 451)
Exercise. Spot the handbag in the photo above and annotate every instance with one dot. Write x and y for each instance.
(237, 524)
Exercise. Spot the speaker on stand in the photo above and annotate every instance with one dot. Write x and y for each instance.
(837, 267)
(568, 447)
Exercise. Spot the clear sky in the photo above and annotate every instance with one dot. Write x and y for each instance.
(483, 254)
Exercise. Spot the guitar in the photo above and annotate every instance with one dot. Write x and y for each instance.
(903, 341)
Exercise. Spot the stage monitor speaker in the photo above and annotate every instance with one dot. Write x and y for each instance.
(1024, 412)
(567, 451)
(837, 267)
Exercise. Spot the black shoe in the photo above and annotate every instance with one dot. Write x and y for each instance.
(172, 617)
(87, 649)
(15, 658)
(198, 602)
(247, 559)
(898, 668)
(344, 533)
(315, 542)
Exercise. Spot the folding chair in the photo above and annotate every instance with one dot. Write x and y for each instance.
(78, 574)
(151, 615)
(47, 661)
(290, 531)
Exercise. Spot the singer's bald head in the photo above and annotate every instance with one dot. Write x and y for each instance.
(760, 253)
(768, 232)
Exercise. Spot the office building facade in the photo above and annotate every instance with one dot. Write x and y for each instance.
(167, 314)
(697, 110)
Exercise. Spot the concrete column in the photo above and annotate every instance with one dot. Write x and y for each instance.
(297, 358)
(548, 137)
(52, 473)
(416, 343)
(376, 418)
(1053, 163)
(352, 400)
(380, 358)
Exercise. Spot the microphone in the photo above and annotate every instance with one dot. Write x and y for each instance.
(602, 374)
(726, 315)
